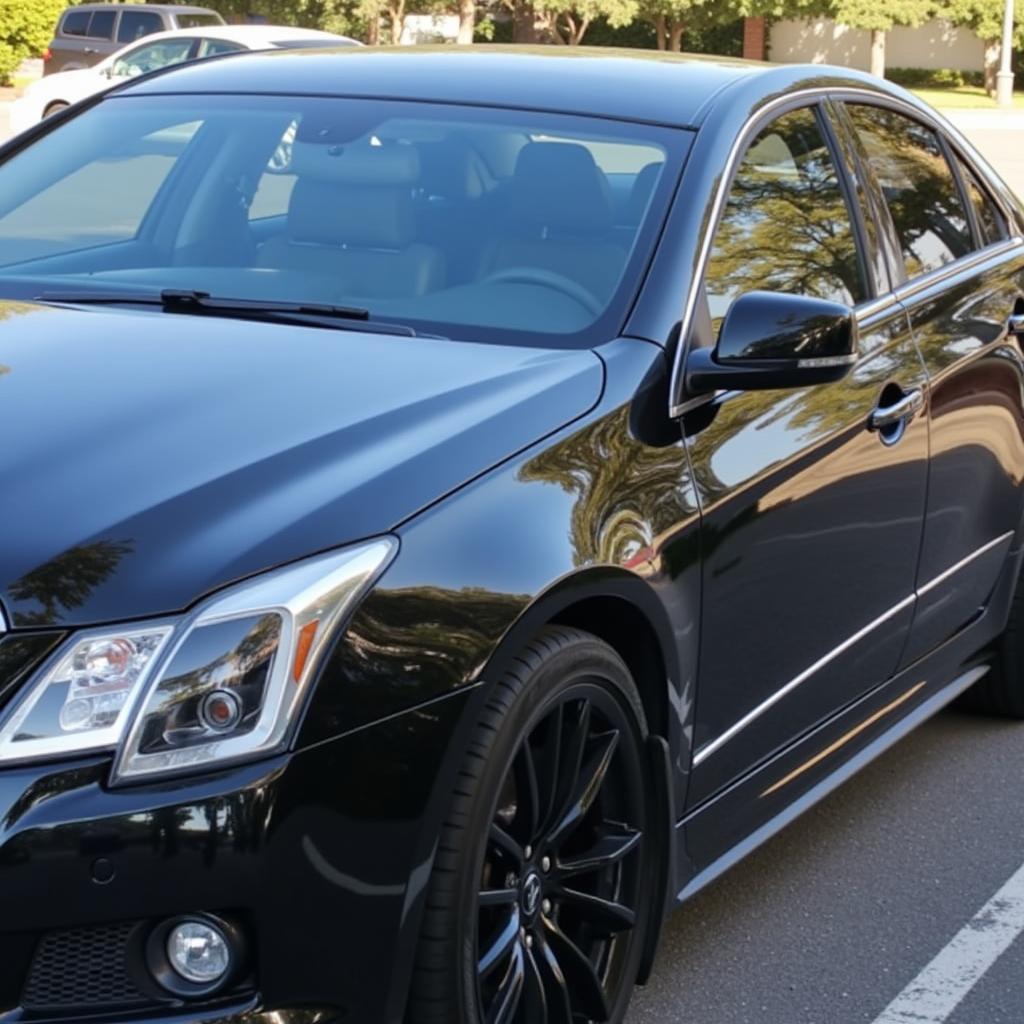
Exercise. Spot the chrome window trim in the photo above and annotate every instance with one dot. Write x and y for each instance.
(722, 738)
(963, 150)
(963, 267)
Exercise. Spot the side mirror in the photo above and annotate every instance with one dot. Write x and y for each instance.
(773, 340)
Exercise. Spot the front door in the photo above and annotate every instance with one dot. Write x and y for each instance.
(811, 518)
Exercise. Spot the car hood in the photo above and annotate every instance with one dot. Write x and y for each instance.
(149, 458)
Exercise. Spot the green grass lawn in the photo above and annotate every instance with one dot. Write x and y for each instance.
(964, 97)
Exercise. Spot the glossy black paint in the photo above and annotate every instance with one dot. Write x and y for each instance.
(724, 552)
(769, 340)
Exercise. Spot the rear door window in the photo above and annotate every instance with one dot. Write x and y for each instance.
(136, 24)
(211, 47)
(76, 23)
(919, 188)
(101, 25)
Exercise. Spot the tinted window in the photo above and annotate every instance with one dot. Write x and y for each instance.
(136, 24)
(101, 25)
(786, 226)
(990, 221)
(76, 23)
(197, 20)
(918, 185)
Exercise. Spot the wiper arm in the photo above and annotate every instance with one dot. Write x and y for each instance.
(202, 303)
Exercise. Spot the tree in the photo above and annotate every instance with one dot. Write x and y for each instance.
(985, 19)
(567, 22)
(671, 18)
(26, 26)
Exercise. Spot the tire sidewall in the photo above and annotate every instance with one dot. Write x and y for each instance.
(585, 664)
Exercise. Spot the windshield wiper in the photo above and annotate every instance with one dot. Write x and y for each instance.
(197, 303)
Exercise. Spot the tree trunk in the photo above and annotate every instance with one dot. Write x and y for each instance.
(373, 30)
(675, 41)
(397, 15)
(878, 52)
(524, 22)
(993, 52)
(661, 30)
(467, 21)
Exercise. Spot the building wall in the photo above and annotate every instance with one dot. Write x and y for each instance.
(936, 44)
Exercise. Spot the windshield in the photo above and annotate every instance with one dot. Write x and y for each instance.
(470, 223)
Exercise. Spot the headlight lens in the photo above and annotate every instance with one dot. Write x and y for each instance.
(223, 683)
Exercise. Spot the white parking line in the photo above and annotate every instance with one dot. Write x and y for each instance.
(937, 991)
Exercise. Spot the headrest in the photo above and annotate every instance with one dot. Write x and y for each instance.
(558, 185)
(366, 216)
(640, 193)
(357, 163)
(450, 169)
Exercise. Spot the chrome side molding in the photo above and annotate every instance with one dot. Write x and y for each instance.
(737, 727)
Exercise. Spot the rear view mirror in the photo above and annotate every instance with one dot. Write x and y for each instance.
(773, 340)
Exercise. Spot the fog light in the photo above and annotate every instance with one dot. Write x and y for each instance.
(199, 952)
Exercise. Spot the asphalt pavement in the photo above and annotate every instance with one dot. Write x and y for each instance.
(833, 918)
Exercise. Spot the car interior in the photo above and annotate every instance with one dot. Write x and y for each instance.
(449, 222)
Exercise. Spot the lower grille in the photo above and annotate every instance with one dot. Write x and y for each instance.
(82, 967)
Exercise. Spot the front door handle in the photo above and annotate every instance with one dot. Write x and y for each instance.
(1015, 325)
(904, 409)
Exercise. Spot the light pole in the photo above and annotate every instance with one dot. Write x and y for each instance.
(1004, 80)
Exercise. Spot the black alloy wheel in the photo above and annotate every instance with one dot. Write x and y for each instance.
(541, 887)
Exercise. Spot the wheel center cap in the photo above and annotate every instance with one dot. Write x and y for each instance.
(531, 893)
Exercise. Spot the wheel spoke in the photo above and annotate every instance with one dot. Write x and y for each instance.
(587, 784)
(497, 897)
(556, 988)
(535, 1003)
(606, 916)
(547, 761)
(615, 845)
(510, 991)
(529, 810)
(505, 843)
(500, 947)
(580, 977)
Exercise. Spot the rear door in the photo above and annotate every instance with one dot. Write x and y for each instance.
(811, 519)
(963, 279)
(84, 38)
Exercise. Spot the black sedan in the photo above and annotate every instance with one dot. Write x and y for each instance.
(457, 504)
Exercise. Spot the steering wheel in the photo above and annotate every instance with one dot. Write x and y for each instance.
(547, 279)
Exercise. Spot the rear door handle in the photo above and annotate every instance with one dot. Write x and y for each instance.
(905, 409)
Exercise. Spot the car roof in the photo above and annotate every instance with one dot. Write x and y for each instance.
(634, 85)
(250, 35)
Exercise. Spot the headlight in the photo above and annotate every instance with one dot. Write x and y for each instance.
(223, 683)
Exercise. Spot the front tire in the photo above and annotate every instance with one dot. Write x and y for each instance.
(540, 891)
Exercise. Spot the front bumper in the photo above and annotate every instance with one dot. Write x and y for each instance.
(321, 857)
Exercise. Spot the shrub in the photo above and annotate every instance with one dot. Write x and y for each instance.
(26, 26)
(939, 78)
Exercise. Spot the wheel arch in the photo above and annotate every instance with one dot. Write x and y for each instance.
(619, 608)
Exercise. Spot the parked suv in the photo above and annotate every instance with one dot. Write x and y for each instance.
(87, 33)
